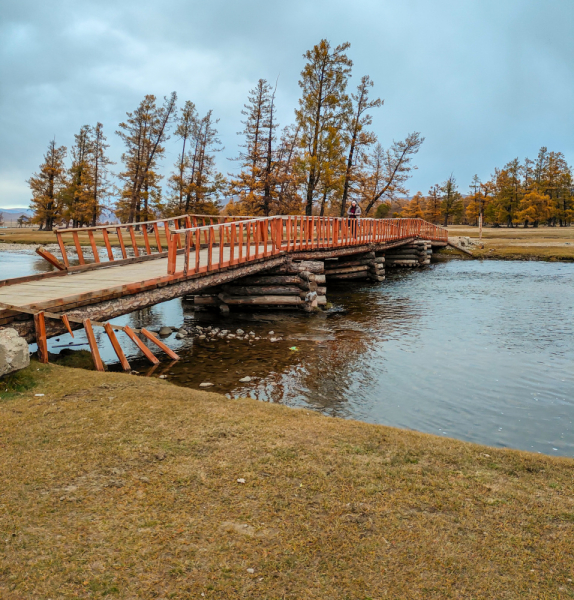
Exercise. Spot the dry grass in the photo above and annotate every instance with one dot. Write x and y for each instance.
(541, 243)
(124, 487)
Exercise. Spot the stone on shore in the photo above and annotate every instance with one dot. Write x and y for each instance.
(14, 354)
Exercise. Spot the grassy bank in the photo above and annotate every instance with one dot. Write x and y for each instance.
(117, 486)
(540, 243)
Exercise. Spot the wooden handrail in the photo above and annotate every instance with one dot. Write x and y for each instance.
(252, 239)
(117, 229)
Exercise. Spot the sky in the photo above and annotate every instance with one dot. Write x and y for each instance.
(483, 81)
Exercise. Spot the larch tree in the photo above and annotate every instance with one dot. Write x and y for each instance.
(255, 184)
(323, 107)
(415, 208)
(289, 176)
(204, 182)
(433, 204)
(508, 192)
(187, 131)
(100, 164)
(143, 133)
(359, 138)
(451, 202)
(79, 192)
(387, 171)
(47, 186)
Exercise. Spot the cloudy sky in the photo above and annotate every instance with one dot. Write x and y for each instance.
(484, 81)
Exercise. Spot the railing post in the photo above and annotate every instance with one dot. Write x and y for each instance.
(62, 249)
(171, 255)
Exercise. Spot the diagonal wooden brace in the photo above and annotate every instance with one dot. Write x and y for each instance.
(160, 344)
(93, 345)
(135, 339)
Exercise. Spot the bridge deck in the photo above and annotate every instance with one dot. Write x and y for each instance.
(53, 292)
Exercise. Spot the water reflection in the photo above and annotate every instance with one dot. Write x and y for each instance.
(482, 351)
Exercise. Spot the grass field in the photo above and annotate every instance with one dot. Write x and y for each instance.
(541, 243)
(118, 486)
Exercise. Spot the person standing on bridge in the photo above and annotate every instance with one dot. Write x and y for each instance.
(353, 214)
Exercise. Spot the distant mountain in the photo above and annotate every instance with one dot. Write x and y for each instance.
(10, 215)
(16, 211)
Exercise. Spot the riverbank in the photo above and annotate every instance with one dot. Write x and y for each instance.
(132, 487)
(501, 243)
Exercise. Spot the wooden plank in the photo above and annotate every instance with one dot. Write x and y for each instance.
(160, 344)
(107, 243)
(117, 348)
(93, 346)
(41, 339)
(133, 238)
(78, 248)
(274, 300)
(146, 240)
(121, 240)
(51, 259)
(62, 249)
(157, 240)
(145, 350)
(94, 247)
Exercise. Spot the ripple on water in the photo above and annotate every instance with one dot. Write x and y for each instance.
(479, 350)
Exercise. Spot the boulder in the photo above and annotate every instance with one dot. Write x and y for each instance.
(14, 354)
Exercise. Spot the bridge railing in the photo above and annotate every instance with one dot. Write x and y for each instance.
(144, 238)
(212, 247)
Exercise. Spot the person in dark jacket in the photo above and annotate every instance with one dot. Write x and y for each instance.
(353, 214)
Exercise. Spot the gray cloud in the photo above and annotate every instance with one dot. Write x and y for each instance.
(482, 81)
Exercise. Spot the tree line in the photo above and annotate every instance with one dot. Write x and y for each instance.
(318, 164)
(528, 193)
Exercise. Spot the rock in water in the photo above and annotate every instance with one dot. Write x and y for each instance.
(206, 384)
(245, 379)
(165, 331)
(14, 353)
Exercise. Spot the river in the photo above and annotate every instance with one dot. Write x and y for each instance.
(477, 350)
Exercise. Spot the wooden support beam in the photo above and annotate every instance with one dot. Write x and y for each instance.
(117, 348)
(41, 338)
(66, 322)
(160, 344)
(145, 350)
(93, 345)
(51, 259)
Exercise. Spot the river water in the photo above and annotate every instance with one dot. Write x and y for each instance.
(477, 350)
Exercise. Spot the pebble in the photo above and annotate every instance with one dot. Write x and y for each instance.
(182, 331)
(240, 332)
(274, 339)
(241, 480)
(231, 336)
(206, 384)
(251, 571)
(166, 331)
(271, 333)
(179, 335)
(252, 333)
(163, 376)
(257, 338)
(202, 337)
(245, 379)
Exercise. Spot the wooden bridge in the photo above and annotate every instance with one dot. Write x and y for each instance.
(159, 260)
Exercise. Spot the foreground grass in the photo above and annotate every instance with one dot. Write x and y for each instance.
(540, 243)
(117, 486)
